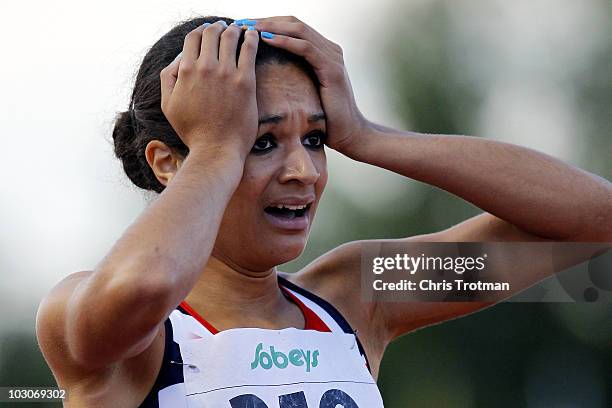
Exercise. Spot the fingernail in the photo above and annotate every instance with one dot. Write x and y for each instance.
(205, 25)
(250, 28)
(223, 23)
(265, 34)
(245, 21)
(179, 55)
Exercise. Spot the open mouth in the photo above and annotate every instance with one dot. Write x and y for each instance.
(288, 212)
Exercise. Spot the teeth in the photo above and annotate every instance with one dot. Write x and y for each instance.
(290, 207)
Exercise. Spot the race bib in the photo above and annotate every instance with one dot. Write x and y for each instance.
(288, 368)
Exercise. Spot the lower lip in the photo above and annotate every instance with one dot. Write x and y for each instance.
(294, 224)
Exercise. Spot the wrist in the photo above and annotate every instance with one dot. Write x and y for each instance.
(229, 147)
(224, 161)
(356, 145)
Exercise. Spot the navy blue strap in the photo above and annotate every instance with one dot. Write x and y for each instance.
(332, 311)
(170, 372)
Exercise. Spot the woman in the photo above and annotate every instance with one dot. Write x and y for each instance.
(188, 306)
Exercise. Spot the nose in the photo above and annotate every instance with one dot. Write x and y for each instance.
(298, 165)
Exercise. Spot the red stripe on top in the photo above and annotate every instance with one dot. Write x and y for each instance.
(312, 320)
(199, 318)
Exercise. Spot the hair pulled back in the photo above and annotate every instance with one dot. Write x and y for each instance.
(144, 120)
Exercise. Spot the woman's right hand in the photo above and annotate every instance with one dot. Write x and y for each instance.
(207, 96)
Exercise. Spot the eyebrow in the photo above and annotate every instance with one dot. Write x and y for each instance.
(279, 118)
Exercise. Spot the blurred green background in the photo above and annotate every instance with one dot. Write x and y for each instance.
(534, 73)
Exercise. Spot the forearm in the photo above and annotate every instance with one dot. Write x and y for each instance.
(165, 250)
(531, 190)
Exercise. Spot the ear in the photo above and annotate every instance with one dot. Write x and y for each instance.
(163, 161)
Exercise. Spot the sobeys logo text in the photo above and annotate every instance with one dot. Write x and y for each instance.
(297, 357)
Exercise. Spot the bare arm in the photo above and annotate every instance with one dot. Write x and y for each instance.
(154, 265)
(115, 312)
(537, 193)
(529, 196)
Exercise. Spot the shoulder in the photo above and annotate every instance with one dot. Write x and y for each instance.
(51, 323)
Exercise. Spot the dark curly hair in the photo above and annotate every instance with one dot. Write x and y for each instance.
(144, 120)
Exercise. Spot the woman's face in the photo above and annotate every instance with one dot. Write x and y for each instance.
(267, 220)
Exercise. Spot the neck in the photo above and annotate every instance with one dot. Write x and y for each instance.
(228, 295)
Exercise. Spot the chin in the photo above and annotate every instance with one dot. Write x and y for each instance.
(288, 248)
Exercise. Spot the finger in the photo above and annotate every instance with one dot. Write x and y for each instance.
(228, 45)
(248, 52)
(209, 51)
(168, 77)
(290, 19)
(298, 30)
(311, 53)
(191, 45)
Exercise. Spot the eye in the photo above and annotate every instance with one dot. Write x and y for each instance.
(264, 143)
(315, 139)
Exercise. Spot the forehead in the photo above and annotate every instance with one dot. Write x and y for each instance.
(284, 89)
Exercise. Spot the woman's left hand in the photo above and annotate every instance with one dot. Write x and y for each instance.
(344, 121)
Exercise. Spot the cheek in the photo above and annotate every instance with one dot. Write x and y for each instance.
(321, 165)
(321, 183)
(250, 189)
(255, 179)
